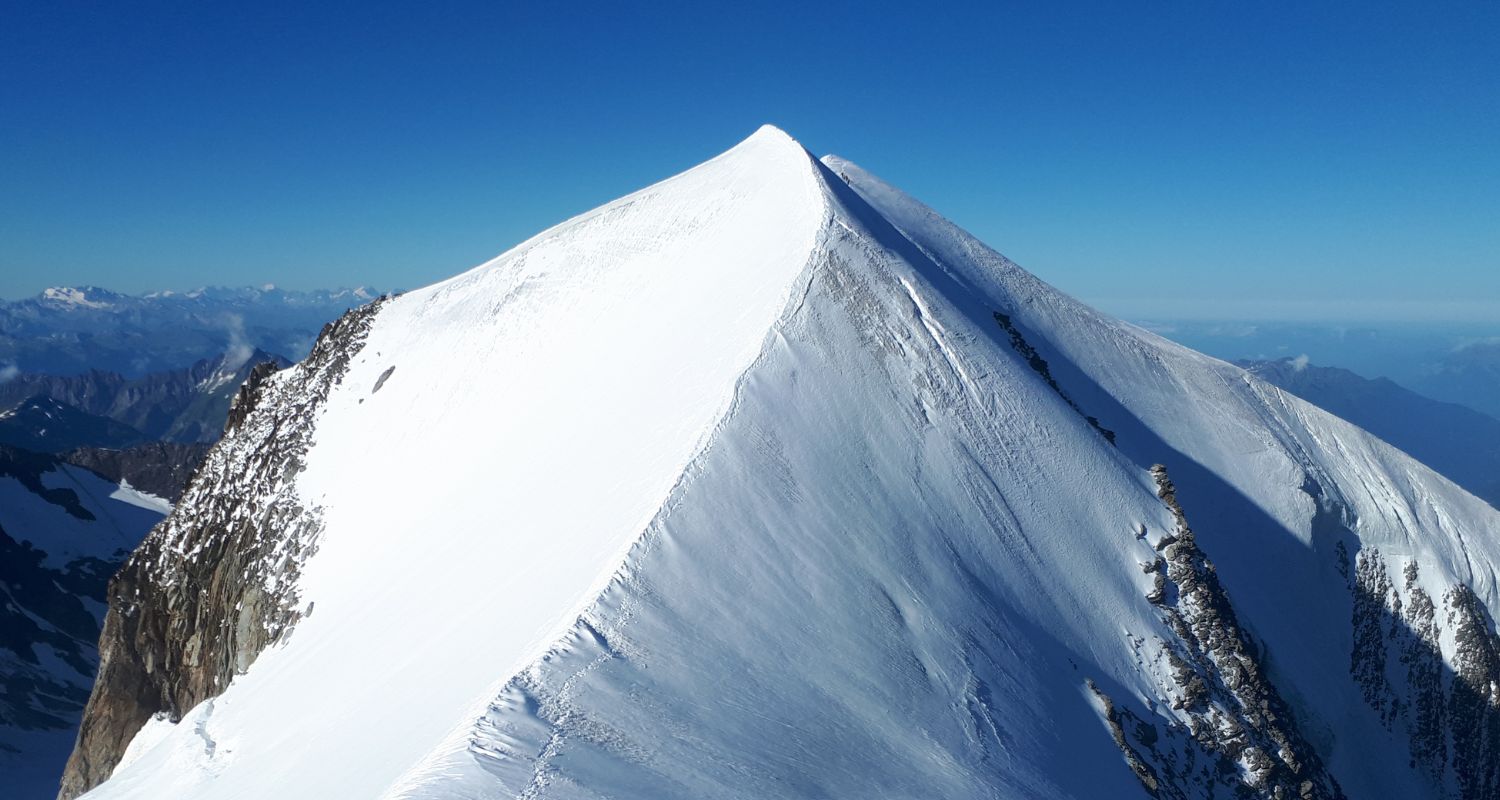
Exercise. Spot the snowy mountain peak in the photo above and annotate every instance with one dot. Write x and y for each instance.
(771, 133)
(766, 480)
(79, 297)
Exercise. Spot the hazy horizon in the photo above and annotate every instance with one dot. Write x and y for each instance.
(1249, 161)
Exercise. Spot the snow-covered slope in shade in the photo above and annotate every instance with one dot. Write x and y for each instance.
(767, 481)
(1285, 497)
(63, 531)
(1455, 440)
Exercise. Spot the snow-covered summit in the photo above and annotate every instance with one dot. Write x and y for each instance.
(78, 297)
(766, 480)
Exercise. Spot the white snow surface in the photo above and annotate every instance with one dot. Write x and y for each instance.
(121, 515)
(735, 488)
(130, 495)
(69, 296)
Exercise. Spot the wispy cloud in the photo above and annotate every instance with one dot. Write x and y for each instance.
(239, 349)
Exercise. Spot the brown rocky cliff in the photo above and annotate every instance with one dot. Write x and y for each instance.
(214, 583)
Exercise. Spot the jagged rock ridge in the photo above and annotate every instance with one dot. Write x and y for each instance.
(1240, 735)
(1449, 715)
(159, 468)
(216, 581)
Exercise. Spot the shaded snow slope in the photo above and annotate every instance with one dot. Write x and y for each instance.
(1283, 484)
(63, 531)
(1455, 440)
(767, 481)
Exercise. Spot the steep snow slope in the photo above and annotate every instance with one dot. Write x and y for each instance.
(1287, 493)
(1455, 440)
(499, 440)
(757, 484)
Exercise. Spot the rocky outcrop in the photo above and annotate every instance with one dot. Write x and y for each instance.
(1448, 710)
(1040, 366)
(44, 425)
(181, 405)
(216, 582)
(159, 468)
(1229, 732)
(1474, 700)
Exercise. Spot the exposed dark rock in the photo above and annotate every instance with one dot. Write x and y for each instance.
(185, 405)
(384, 376)
(246, 397)
(1240, 738)
(1367, 660)
(159, 468)
(1422, 656)
(215, 583)
(1451, 716)
(1117, 719)
(1474, 703)
(44, 425)
(1039, 366)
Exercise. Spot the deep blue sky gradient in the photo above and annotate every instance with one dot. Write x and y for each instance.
(1169, 159)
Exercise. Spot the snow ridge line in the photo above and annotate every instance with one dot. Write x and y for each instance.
(581, 627)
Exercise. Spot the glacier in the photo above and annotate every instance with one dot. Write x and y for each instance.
(767, 480)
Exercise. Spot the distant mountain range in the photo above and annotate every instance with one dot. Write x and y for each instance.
(63, 532)
(1469, 374)
(44, 425)
(67, 330)
(177, 405)
(1456, 362)
(1457, 441)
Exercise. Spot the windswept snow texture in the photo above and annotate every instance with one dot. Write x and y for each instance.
(741, 487)
(1460, 443)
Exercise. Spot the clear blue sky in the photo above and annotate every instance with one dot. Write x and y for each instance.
(1233, 159)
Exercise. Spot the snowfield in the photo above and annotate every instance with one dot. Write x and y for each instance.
(767, 481)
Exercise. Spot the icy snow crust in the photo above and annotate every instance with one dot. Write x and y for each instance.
(736, 488)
